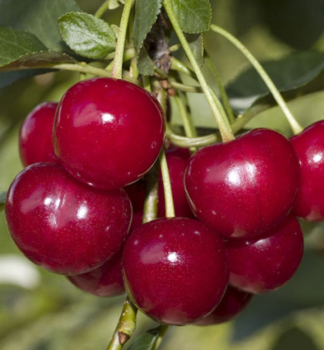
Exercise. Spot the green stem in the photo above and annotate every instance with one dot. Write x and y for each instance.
(117, 68)
(188, 124)
(182, 68)
(221, 88)
(162, 330)
(295, 126)
(102, 9)
(147, 83)
(151, 195)
(226, 132)
(186, 88)
(125, 327)
(169, 206)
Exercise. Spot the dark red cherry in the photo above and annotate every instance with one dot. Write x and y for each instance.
(175, 270)
(62, 224)
(104, 281)
(108, 133)
(309, 146)
(177, 159)
(36, 135)
(263, 264)
(244, 187)
(136, 194)
(234, 301)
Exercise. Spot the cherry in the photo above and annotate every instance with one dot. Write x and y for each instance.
(177, 161)
(234, 301)
(175, 270)
(136, 194)
(104, 281)
(35, 138)
(108, 133)
(244, 187)
(309, 146)
(263, 264)
(62, 224)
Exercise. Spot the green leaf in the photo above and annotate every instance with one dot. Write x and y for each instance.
(3, 196)
(87, 35)
(196, 43)
(22, 50)
(144, 63)
(293, 75)
(146, 341)
(38, 17)
(146, 13)
(194, 16)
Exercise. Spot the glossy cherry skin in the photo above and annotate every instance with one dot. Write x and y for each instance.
(234, 301)
(62, 224)
(309, 146)
(263, 264)
(175, 270)
(36, 135)
(108, 133)
(177, 159)
(244, 187)
(104, 281)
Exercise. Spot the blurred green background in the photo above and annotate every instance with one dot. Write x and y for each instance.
(42, 311)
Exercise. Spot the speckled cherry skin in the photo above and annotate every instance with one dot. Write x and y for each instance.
(244, 187)
(62, 224)
(309, 146)
(104, 281)
(234, 301)
(108, 133)
(175, 270)
(177, 159)
(36, 135)
(263, 264)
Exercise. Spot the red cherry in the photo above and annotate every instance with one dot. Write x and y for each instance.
(62, 224)
(246, 186)
(263, 264)
(309, 146)
(108, 133)
(36, 135)
(104, 281)
(136, 194)
(234, 301)
(177, 159)
(175, 270)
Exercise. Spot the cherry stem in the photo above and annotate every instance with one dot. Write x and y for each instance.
(125, 327)
(202, 141)
(169, 206)
(151, 195)
(225, 131)
(117, 68)
(102, 9)
(295, 126)
(158, 340)
(221, 88)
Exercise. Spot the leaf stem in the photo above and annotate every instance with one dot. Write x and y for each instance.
(117, 68)
(225, 131)
(102, 9)
(169, 206)
(295, 126)
(125, 327)
(221, 88)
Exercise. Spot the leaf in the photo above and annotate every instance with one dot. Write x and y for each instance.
(146, 341)
(3, 196)
(304, 291)
(291, 75)
(38, 17)
(21, 50)
(7, 78)
(294, 338)
(144, 63)
(196, 44)
(146, 13)
(194, 16)
(87, 35)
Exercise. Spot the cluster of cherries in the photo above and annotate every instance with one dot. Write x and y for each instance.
(78, 210)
